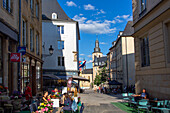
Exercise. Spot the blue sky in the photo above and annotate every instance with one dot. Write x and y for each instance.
(102, 17)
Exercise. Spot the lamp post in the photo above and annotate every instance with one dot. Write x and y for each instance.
(51, 51)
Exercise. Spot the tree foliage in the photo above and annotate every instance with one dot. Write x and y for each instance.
(101, 77)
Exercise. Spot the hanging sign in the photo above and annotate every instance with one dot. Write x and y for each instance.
(15, 57)
(22, 50)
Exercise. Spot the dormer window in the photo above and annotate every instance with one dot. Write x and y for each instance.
(54, 16)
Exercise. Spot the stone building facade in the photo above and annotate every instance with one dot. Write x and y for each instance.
(31, 38)
(8, 43)
(152, 36)
(120, 60)
(88, 74)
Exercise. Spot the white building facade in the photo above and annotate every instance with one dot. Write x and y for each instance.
(62, 33)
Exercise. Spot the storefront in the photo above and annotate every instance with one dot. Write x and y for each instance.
(8, 45)
(31, 72)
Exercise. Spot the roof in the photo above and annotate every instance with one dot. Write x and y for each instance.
(48, 8)
(129, 30)
(53, 7)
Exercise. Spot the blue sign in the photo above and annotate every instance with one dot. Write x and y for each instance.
(22, 50)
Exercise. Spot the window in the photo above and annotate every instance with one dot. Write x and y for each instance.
(60, 29)
(31, 39)
(38, 78)
(1, 77)
(61, 61)
(37, 44)
(31, 5)
(24, 33)
(37, 10)
(24, 76)
(142, 5)
(60, 44)
(7, 5)
(145, 52)
(167, 38)
(54, 16)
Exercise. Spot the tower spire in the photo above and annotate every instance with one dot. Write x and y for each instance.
(97, 48)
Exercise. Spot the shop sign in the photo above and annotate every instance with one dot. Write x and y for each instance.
(22, 50)
(15, 57)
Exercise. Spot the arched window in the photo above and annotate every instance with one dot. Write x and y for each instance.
(54, 16)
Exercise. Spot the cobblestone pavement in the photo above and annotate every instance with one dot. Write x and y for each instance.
(100, 103)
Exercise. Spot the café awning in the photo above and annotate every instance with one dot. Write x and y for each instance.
(50, 76)
(80, 78)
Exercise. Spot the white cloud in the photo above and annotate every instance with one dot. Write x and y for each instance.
(71, 3)
(82, 54)
(120, 19)
(95, 27)
(90, 61)
(103, 43)
(80, 14)
(90, 56)
(89, 7)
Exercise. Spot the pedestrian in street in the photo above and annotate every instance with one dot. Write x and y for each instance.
(28, 93)
(99, 89)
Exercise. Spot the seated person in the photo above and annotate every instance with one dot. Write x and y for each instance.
(55, 91)
(46, 96)
(143, 95)
(67, 103)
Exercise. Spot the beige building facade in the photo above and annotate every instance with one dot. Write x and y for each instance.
(88, 74)
(121, 63)
(152, 36)
(8, 43)
(31, 38)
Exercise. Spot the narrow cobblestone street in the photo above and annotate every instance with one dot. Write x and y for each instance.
(99, 103)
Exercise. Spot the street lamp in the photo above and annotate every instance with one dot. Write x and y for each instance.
(51, 51)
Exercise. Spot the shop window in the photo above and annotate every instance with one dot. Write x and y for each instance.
(38, 78)
(25, 76)
(1, 77)
(145, 58)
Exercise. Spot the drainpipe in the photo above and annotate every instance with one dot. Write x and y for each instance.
(19, 37)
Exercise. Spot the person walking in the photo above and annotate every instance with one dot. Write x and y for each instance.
(99, 89)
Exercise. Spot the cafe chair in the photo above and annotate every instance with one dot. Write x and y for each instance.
(143, 104)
